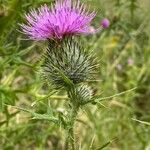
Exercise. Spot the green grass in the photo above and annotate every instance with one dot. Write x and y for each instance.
(121, 122)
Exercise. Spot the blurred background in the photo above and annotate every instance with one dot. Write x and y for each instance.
(121, 123)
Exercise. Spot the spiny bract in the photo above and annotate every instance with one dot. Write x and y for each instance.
(68, 57)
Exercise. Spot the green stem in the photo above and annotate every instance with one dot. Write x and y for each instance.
(70, 129)
(72, 115)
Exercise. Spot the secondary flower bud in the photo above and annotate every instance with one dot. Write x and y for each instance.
(84, 94)
(105, 23)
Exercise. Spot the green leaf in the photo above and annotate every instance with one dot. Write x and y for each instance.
(106, 144)
(98, 98)
(37, 116)
(44, 117)
(143, 122)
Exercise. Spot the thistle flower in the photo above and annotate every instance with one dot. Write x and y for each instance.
(71, 59)
(65, 18)
(105, 23)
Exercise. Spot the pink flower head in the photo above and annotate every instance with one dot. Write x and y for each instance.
(66, 17)
(105, 23)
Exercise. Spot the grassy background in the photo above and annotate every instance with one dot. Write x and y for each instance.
(124, 51)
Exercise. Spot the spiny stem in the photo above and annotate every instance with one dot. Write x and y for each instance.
(71, 119)
(70, 129)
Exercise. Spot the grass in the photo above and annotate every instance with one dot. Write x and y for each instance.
(118, 123)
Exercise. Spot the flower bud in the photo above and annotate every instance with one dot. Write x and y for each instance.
(105, 23)
(84, 94)
(67, 57)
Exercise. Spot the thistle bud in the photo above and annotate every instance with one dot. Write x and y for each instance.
(84, 94)
(67, 57)
(105, 23)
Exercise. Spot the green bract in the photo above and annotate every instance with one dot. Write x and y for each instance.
(67, 57)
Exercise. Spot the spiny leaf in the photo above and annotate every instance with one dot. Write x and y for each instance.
(47, 117)
(98, 98)
(44, 117)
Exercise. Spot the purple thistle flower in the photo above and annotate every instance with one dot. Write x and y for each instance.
(64, 18)
(105, 23)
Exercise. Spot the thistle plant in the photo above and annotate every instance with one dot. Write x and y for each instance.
(66, 64)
